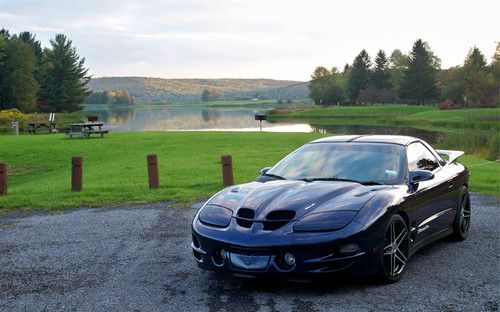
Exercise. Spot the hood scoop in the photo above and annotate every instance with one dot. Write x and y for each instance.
(273, 220)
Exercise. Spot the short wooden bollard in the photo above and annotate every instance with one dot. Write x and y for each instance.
(227, 170)
(76, 174)
(3, 179)
(154, 180)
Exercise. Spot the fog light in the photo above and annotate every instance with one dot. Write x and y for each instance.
(349, 249)
(219, 257)
(289, 259)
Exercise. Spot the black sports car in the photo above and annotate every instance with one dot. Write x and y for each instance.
(357, 204)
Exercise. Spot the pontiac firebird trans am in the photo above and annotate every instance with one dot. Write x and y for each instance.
(353, 204)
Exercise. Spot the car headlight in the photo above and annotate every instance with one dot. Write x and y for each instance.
(215, 215)
(324, 221)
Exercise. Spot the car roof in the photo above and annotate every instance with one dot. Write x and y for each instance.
(393, 139)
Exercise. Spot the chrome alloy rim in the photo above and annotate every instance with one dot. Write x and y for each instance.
(465, 215)
(395, 248)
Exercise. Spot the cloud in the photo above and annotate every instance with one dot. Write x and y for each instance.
(254, 38)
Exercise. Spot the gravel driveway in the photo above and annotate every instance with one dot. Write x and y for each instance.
(137, 258)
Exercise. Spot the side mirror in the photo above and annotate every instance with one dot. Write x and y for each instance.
(420, 175)
(264, 170)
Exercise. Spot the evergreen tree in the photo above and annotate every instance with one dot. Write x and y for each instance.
(18, 84)
(30, 40)
(420, 77)
(477, 81)
(359, 77)
(65, 76)
(475, 60)
(381, 74)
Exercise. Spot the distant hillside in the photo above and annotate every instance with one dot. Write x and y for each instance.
(189, 90)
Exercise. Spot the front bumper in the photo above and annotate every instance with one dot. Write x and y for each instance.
(310, 260)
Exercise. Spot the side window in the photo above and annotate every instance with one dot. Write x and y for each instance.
(420, 158)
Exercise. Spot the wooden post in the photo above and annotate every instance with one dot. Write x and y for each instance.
(3, 179)
(76, 174)
(227, 170)
(154, 180)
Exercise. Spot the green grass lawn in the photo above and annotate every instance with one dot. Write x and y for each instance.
(189, 165)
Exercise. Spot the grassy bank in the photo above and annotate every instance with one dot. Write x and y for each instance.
(474, 130)
(189, 165)
(407, 115)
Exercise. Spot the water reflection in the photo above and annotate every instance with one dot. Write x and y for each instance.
(189, 118)
(166, 118)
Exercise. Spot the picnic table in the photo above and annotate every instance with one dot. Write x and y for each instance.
(35, 126)
(86, 129)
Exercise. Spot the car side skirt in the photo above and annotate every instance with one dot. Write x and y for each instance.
(437, 236)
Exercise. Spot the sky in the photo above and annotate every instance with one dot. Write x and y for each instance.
(276, 39)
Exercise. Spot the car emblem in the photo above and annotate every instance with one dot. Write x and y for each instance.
(310, 206)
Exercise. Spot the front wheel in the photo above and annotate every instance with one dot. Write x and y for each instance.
(461, 224)
(396, 246)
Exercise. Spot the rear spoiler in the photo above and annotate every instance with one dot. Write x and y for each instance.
(452, 155)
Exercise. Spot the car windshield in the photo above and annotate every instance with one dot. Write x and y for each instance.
(368, 163)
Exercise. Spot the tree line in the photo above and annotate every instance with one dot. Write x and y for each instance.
(416, 78)
(33, 78)
(118, 97)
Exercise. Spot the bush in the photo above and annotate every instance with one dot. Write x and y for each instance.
(9, 115)
(447, 105)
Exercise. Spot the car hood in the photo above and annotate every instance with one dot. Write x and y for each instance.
(302, 197)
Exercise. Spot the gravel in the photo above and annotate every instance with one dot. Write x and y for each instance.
(137, 258)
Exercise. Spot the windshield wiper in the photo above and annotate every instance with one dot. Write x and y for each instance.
(274, 176)
(342, 180)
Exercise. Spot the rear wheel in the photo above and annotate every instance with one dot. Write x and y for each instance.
(461, 224)
(396, 245)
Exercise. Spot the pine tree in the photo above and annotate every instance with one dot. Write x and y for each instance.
(381, 74)
(65, 76)
(475, 60)
(359, 77)
(420, 77)
(477, 82)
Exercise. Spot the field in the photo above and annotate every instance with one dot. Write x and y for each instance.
(189, 166)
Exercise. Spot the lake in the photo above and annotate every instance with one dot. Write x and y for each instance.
(196, 118)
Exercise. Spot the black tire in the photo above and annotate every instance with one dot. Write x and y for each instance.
(395, 250)
(461, 224)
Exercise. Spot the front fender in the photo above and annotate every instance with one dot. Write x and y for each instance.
(381, 207)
